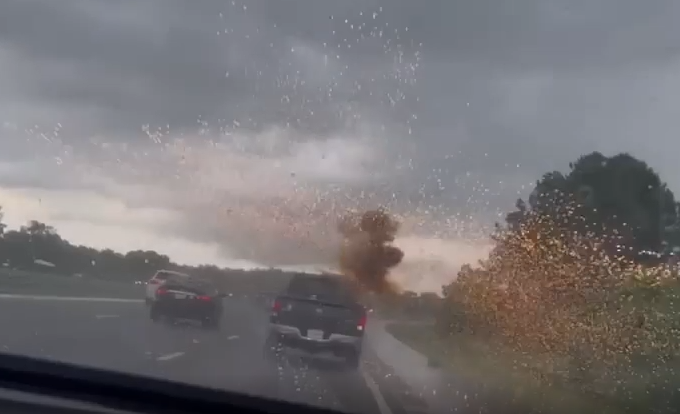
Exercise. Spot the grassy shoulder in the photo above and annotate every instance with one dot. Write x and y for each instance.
(526, 380)
(44, 284)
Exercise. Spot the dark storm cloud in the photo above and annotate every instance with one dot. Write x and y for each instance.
(162, 62)
(159, 62)
(475, 99)
(138, 63)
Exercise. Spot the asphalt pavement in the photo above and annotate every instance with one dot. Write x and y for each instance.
(120, 336)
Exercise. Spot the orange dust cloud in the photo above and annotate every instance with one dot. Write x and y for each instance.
(367, 253)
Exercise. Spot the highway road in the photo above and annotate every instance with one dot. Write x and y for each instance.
(119, 336)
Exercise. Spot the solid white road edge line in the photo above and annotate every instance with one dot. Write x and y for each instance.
(68, 298)
(170, 356)
(379, 399)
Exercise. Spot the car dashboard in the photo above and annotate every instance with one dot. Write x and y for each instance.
(16, 402)
(29, 385)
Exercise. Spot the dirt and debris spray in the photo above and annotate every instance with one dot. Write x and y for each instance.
(367, 253)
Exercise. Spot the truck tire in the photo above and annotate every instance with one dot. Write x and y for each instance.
(272, 349)
(353, 361)
(211, 323)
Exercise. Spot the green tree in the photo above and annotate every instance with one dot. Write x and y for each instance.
(618, 195)
(551, 287)
(19, 249)
(37, 228)
(3, 226)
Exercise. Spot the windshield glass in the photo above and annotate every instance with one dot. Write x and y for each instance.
(326, 289)
(496, 179)
(315, 286)
(167, 275)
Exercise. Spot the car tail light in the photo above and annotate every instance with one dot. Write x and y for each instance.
(204, 298)
(276, 306)
(362, 322)
(161, 291)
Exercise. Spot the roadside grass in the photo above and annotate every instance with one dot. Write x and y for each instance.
(525, 380)
(20, 282)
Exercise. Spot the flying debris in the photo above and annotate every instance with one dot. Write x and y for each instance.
(367, 253)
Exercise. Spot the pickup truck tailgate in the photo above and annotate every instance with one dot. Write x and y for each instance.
(304, 314)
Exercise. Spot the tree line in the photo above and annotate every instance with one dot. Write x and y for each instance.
(38, 247)
(583, 276)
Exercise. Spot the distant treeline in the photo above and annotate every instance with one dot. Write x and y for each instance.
(38, 247)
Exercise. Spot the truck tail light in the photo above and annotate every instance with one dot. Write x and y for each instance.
(362, 322)
(276, 306)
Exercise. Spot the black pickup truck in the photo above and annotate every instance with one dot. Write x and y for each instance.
(317, 314)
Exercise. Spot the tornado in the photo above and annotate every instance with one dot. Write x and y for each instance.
(367, 253)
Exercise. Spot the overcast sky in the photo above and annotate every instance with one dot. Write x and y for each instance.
(235, 132)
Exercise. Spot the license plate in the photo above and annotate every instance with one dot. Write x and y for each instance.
(180, 296)
(315, 334)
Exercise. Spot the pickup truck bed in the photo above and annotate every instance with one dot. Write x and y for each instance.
(317, 322)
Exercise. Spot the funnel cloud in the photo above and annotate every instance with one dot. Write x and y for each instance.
(249, 127)
(367, 253)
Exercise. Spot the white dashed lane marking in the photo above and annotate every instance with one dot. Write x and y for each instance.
(106, 316)
(68, 298)
(379, 399)
(168, 357)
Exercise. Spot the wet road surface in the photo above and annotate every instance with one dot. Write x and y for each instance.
(120, 336)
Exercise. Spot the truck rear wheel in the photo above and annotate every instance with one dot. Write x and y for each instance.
(272, 348)
(211, 323)
(353, 360)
